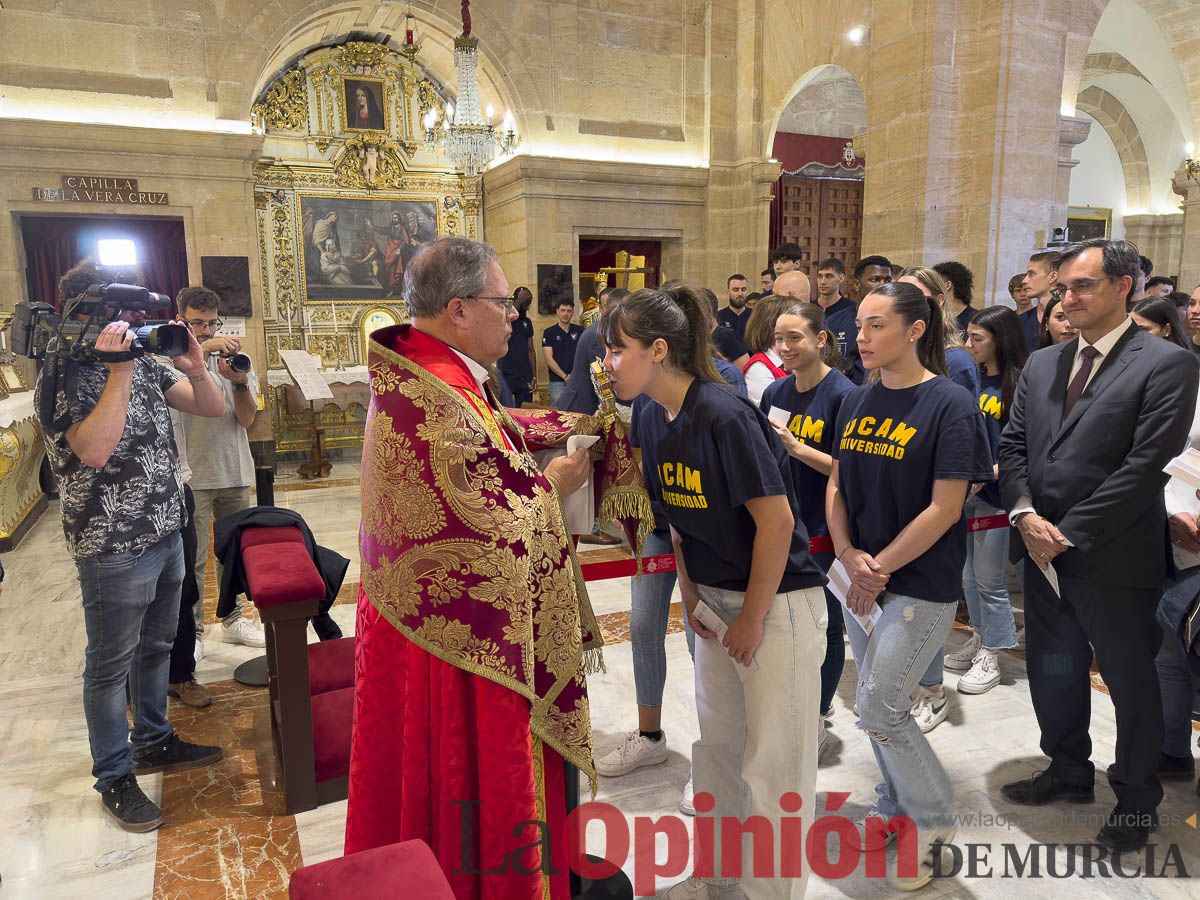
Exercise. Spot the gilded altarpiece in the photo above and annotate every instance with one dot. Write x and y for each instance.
(344, 194)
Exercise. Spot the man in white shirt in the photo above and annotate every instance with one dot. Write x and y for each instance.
(222, 467)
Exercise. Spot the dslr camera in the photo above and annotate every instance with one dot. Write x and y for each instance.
(38, 331)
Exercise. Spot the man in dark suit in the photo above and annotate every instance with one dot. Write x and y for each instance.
(1093, 423)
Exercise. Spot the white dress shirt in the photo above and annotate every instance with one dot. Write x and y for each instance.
(481, 376)
(759, 377)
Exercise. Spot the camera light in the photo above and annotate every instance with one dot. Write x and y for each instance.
(117, 252)
(857, 35)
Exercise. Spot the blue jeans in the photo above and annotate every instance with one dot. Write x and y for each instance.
(890, 662)
(651, 608)
(554, 390)
(985, 581)
(130, 611)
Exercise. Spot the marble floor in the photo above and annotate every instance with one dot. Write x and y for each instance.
(228, 836)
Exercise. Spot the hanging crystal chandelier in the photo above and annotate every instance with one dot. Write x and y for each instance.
(469, 139)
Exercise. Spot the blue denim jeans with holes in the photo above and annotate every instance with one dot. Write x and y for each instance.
(890, 663)
(130, 612)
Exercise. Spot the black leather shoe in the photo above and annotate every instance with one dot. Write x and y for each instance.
(1045, 788)
(1124, 832)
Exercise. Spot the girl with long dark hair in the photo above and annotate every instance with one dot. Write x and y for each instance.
(1159, 317)
(998, 344)
(743, 564)
(1055, 328)
(803, 407)
(909, 445)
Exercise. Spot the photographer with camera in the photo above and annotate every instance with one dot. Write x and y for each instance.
(107, 430)
(219, 449)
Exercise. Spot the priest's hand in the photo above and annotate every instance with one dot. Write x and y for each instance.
(568, 473)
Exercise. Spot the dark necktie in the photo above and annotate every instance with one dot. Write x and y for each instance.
(1079, 382)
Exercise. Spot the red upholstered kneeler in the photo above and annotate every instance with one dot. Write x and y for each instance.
(407, 869)
(311, 685)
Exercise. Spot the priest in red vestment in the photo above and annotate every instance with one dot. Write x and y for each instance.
(474, 632)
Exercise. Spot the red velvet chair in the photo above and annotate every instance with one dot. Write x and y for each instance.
(407, 869)
(311, 685)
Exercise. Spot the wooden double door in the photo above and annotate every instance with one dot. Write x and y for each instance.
(823, 216)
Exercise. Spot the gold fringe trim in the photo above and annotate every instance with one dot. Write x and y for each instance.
(593, 662)
(630, 502)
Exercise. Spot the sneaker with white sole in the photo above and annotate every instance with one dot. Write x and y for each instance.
(962, 658)
(822, 739)
(687, 803)
(930, 709)
(633, 753)
(198, 652)
(243, 631)
(699, 889)
(872, 832)
(930, 842)
(984, 674)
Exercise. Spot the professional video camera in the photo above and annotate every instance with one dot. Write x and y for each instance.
(37, 330)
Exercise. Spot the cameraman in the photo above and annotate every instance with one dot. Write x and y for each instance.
(110, 447)
(219, 451)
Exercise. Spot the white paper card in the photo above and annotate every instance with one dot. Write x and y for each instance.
(1186, 467)
(232, 326)
(779, 416)
(1052, 577)
(303, 368)
(714, 623)
(839, 585)
(579, 508)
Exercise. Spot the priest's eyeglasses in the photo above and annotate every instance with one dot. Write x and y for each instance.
(508, 304)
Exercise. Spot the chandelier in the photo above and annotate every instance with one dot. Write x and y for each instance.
(467, 135)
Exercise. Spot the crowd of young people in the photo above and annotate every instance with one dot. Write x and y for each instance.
(874, 441)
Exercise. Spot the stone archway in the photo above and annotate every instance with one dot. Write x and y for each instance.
(1112, 116)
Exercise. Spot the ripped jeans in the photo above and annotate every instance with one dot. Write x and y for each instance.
(890, 662)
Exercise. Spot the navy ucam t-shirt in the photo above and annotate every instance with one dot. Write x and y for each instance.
(812, 418)
(891, 447)
(718, 453)
(989, 405)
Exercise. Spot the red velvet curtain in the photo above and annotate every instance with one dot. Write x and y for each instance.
(53, 244)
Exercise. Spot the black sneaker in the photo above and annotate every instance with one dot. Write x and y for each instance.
(173, 755)
(132, 809)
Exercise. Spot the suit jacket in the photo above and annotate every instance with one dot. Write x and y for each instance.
(580, 395)
(227, 547)
(1097, 475)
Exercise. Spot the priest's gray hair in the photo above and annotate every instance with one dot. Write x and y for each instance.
(444, 269)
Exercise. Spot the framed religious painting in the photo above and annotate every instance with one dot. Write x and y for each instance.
(356, 249)
(1087, 222)
(364, 103)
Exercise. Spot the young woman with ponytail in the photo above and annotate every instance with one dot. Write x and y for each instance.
(808, 400)
(725, 485)
(908, 447)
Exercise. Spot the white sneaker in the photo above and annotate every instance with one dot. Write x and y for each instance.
(930, 709)
(962, 658)
(879, 835)
(198, 653)
(984, 674)
(822, 739)
(698, 889)
(633, 753)
(827, 715)
(243, 631)
(687, 803)
(929, 842)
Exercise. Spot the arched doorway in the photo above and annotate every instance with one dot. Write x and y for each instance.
(817, 201)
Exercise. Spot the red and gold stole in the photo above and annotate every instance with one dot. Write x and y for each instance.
(464, 550)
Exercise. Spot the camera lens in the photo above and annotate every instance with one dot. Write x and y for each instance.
(239, 362)
(166, 340)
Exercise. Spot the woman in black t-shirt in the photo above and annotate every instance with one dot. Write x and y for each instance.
(803, 407)
(744, 569)
(908, 447)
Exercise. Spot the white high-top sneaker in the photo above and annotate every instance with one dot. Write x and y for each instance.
(984, 674)
(961, 659)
